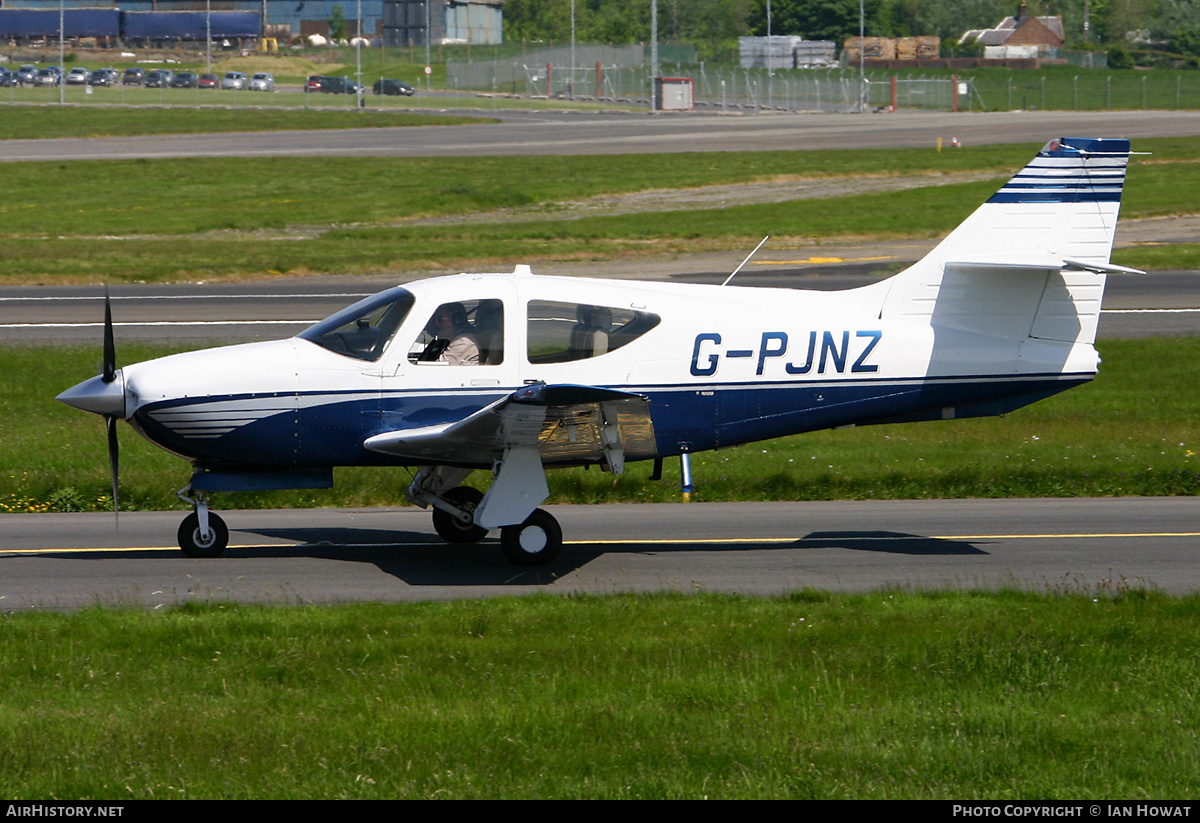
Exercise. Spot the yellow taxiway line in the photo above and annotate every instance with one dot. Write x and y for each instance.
(705, 541)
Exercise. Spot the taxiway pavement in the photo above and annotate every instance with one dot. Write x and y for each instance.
(1088, 546)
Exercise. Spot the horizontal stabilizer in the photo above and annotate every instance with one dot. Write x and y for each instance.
(1040, 263)
(1107, 268)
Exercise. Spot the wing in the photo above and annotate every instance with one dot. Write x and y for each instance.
(564, 423)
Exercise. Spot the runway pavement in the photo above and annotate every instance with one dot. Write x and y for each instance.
(1165, 303)
(558, 133)
(1092, 546)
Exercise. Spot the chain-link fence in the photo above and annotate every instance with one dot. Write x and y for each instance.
(621, 76)
(729, 90)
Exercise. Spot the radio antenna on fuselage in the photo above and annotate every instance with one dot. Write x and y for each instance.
(747, 260)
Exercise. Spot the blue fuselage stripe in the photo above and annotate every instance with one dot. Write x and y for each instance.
(685, 417)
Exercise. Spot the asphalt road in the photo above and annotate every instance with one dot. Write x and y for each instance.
(326, 556)
(557, 133)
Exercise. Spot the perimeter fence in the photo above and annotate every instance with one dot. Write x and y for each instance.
(741, 90)
(619, 77)
(832, 90)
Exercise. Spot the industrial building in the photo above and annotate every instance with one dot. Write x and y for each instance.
(397, 22)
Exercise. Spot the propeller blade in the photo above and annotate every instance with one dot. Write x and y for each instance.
(113, 460)
(110, 348)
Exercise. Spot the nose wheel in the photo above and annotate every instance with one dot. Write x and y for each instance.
(196, 543)
(202, 533)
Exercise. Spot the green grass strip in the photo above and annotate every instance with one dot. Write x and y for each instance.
(1132, 431)
(205, 218)
(997, 696)
(42, 122)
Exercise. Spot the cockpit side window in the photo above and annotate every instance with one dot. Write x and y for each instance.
(462, 333)
(363, 330)
(563, 332)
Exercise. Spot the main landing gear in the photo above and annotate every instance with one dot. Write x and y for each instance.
(459, 516)
(535, 542)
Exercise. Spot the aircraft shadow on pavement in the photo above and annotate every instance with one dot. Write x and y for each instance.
(420, 559)
(417, 558)
(888, 542)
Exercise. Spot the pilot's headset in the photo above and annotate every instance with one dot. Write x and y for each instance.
(458, 316)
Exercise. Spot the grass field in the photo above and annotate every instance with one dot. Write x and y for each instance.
(180, 220)
(1125, 434)
(1132, 431)
(44, 122)
(996, 696)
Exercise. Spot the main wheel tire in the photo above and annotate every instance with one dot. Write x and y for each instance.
(194, 545)
(535, 542)
(449, 527)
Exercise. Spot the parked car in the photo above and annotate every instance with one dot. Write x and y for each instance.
(104, 77)
(233, 80)
(26, 72)
(185, 80)
(262, 81)
(78, 76)
(50, 76)
(8, 78)
(314, 82)
(209, 81)
(340, 85)
(159, 79)
(133, 77)
(386, 85)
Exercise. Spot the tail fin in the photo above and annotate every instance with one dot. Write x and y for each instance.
(1031, 261)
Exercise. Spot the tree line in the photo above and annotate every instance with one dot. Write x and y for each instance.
(1171, 25)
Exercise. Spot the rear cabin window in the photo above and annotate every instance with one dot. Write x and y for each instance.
(564, 332)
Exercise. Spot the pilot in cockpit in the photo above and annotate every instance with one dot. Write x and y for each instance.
(453, 342)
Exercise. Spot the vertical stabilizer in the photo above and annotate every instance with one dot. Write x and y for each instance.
(1039, 246)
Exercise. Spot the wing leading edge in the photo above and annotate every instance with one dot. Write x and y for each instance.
(565, 423)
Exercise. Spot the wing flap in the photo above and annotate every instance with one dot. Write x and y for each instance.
(565, 423)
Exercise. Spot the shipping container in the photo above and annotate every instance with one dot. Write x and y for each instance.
(190, 25)
(36, 23)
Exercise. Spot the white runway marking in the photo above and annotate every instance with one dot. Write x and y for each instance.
(151, 323)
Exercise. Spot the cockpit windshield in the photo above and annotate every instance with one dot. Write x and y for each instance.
(363, 330)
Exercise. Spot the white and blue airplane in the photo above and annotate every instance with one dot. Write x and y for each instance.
(514, 373)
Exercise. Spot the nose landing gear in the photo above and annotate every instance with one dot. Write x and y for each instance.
(202, 533)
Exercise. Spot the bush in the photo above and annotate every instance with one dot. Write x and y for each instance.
(1120, 58)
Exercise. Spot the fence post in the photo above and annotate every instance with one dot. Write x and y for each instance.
(954, 83)
(893, 94)
(548, 69)
(598, 80)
